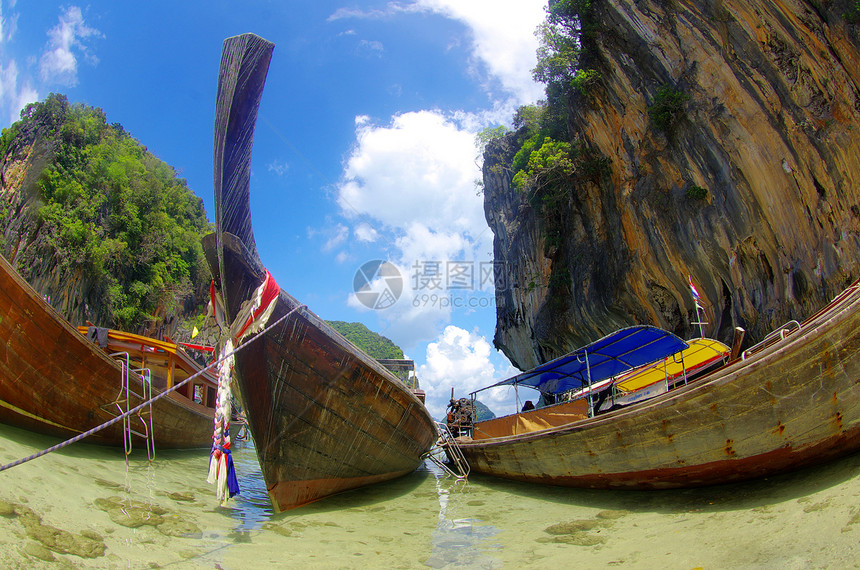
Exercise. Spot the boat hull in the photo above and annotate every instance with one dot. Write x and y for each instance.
(324, 416)
(794, 404)
(56, 382)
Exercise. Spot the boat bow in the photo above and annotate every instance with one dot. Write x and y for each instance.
(242, 76)
(325, 417)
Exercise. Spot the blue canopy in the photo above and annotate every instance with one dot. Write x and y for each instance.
(613, 354)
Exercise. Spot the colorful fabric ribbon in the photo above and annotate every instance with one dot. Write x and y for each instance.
(251, 318)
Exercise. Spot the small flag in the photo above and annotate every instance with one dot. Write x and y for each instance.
(694, 291)
(195, 332)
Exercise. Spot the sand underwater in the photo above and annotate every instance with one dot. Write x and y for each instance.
(83, 507)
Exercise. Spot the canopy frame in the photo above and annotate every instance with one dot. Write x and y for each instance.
(623, 350)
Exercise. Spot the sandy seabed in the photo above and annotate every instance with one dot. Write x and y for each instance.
(84, 507)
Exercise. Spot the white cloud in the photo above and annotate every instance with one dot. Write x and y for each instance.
(378, 285)
(8, 24)
(419, 168)
(23, 97)
(503, 42)
(407, 322)
(59, 63)
(365, 232)
(413, 318)
(12, 97)
(503, 39)
(416, 175)
(338, 237)
(372, 47)
(421, 243)
(278, 167)
(391, 9)
(460, 359)
(416, 178)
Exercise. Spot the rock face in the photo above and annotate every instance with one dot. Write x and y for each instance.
(22, 243)
(150, 226)
(771, 130)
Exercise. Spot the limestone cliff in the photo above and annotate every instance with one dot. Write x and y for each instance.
(21, 165)
(771, 131)
(100, 227)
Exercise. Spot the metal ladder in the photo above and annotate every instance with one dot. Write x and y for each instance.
(447, 444)
(123, 404)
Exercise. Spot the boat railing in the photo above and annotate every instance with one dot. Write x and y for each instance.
(123, 404)
(841, 300)
(446, 443)
(772, 338)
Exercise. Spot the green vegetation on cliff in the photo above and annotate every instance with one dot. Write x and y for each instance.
(105, 208)
(560, 52)
(550, 162)
(553, 166)
(667, 108)
(375, 345)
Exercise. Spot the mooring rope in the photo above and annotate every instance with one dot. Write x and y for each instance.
(134, 410)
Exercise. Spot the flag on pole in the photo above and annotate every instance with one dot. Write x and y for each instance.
(195, 332)
(694, 291)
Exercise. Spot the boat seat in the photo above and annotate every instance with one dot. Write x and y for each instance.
(532, 420)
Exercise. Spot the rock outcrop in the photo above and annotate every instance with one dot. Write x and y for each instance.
(102, 229)
(28, 249)
(771, 131)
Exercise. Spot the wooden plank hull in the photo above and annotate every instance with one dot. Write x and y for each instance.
(54, 381)
(325, 417)
(795, 403)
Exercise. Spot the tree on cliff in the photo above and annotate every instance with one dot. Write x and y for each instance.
(101, 226)
(560, 48)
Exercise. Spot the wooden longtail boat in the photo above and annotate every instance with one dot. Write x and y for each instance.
(324, 416)
(53, 380)
(793, 400)
(167, 362)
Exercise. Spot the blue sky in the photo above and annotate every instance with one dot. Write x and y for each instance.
(364, 148)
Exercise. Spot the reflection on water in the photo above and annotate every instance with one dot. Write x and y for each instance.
(458, 542)
(85, 507)
(254, 508)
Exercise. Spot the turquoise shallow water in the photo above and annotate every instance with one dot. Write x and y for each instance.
(85, 507)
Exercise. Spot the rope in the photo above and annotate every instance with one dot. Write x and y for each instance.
(134, 410)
